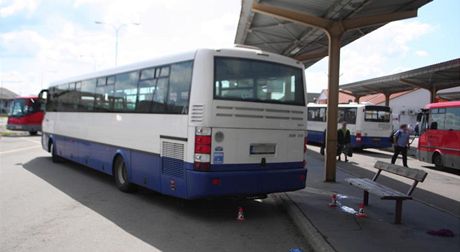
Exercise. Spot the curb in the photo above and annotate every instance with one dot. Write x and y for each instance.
(12, 134)
(316, 240)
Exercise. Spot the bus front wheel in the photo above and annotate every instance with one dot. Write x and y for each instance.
(120, 174)
(33, 133)
(437, 160)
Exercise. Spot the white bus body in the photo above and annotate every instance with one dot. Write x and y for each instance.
(369, 125)
(217, 136)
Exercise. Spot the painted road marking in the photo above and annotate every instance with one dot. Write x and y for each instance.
(18, 150)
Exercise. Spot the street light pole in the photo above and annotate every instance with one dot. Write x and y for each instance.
(117, 31)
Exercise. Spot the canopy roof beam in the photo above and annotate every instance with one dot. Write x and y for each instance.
(334, 29)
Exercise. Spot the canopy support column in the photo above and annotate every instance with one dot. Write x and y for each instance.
(334, 35)
(387, 99)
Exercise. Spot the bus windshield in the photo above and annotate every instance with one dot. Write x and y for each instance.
(257, 81)
(377, 114)
(21, 107)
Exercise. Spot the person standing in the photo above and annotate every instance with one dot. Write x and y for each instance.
(401, 144)
(417, 129)
(343, 140)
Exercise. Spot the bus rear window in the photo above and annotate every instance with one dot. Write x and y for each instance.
(377, 114)
(257, 81)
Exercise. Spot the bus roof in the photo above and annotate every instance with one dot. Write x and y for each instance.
(172, 59)
(346, 105)
(443, 104)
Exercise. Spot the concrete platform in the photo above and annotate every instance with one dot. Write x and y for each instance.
(436, 206)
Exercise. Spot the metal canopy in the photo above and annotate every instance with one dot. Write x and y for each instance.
(434, 77)
(309, 44)
(309, 30)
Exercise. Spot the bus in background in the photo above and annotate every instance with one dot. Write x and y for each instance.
(369, 125)
(209, 123)
(25, 115)
(439, 140)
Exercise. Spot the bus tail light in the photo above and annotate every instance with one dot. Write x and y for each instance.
(202, 158)
(358, 138)
(305, 145)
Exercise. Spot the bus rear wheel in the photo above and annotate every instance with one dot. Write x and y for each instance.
(120, 174)
(437, 160)
(33, 133)
(54, 156)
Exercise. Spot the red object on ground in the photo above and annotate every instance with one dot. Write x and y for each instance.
(240, 214)
(361, 213)
(333, 200)
(441, 232)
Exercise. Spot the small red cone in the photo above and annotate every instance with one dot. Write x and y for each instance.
(333, 200)
(240, 214)
(361, 213)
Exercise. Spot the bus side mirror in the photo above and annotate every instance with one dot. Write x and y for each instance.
(43, 99)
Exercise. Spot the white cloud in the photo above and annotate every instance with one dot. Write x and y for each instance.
(376, 54)
(23, 42)
(421, 53)
(58, 48)
(9, 8)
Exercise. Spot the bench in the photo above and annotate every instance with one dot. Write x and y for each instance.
(387, 193)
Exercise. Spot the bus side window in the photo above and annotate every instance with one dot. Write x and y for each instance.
(452, 118)
(438, 116)
(179, 88)
(159, 96)
(125, 93)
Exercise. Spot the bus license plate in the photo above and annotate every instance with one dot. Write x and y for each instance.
(258, 149)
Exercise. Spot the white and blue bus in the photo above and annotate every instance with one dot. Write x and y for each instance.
(201, 124)
(370, 125)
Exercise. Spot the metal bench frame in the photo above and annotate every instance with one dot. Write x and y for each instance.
(387, 193)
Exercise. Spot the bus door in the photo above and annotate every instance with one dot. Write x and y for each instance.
(44, 99)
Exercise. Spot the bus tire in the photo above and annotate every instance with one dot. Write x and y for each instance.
(54, 156)
(120, 174)
(33, 133)
(437, 160)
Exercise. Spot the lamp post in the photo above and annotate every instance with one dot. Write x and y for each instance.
(117, 30)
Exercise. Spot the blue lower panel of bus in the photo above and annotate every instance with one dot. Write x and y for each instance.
(177, 178)
(366, 142)
(208, 184)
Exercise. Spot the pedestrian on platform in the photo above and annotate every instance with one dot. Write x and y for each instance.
(343, 142)
(401, 144)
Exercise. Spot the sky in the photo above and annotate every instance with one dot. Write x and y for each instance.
(42, 41)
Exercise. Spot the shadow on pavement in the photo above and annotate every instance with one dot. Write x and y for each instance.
(447, 170)
(204, 225)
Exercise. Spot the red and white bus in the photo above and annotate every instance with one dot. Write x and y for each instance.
(25, 115)
(439, 141)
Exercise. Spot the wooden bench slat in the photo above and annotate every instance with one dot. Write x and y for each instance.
(415, 174)
(378, 189)
(385, 192)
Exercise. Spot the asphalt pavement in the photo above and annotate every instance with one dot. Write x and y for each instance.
(66, 207)
(48, 207)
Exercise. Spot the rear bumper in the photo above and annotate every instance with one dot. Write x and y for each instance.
(244, 183)
(22, 127)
